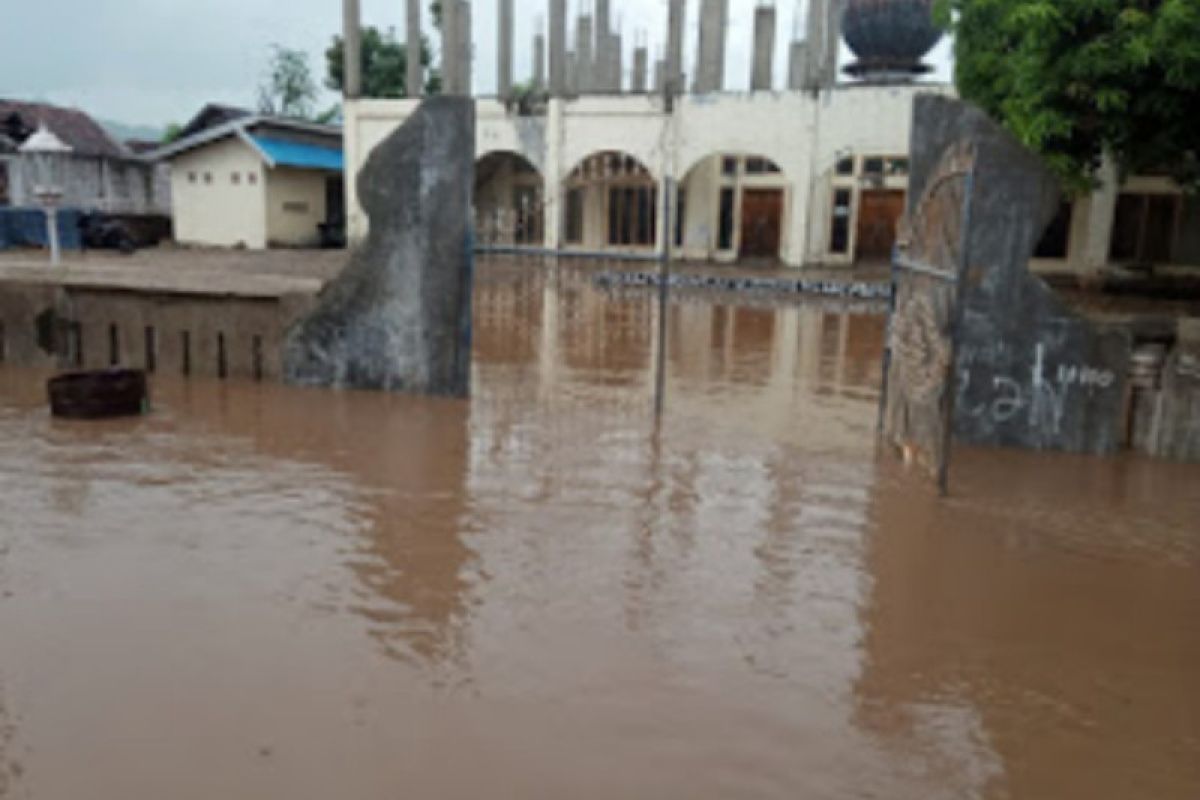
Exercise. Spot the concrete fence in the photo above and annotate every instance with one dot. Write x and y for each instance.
(203, 336)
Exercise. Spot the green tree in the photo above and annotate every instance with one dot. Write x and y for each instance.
(172, 132)
(289, 89)
(1075, 79)
(385, 65)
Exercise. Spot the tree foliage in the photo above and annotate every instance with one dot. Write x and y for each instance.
(1075, 79)
(385, 65)
(289, 89)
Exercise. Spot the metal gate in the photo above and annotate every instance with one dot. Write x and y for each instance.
(928, 274)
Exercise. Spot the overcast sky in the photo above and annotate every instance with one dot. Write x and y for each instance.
(157, 61)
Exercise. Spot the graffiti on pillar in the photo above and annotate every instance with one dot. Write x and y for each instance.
(928, 270)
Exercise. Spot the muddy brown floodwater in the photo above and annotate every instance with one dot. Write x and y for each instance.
(263, 592)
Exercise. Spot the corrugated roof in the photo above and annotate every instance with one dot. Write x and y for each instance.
(211, 116)
(85, 136)
(295, 154)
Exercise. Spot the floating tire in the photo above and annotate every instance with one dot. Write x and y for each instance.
(104, 394)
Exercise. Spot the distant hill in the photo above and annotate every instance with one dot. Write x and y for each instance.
(122, 131)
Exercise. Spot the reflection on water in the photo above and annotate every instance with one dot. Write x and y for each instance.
(261, 591)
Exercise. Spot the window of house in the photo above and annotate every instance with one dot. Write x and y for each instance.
(191, 177)
(761, 166)
(896, 166)
(208, 177)
(528, 222)
(574, 213)
(839, 236)
(1056, 240)
(251, 178)
(619, 220)
(1153, 229)
(873, 165)
(680, 216)
(632, 215)
(235, 178)
(647, 199)
(729, 165)
(845, 166)
(725, 226)
(1187, 246)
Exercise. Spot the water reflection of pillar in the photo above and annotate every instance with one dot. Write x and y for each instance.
(549, 351)
(809, 357)
(842, 347)
(729, 337)
(690, 353)
(413, 557)
(785, 350)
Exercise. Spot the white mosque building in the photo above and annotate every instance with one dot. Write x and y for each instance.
(813, 172)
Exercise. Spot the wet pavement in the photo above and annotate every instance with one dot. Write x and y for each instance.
(541, 593)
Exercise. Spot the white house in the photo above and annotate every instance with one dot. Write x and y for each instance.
(256, 182)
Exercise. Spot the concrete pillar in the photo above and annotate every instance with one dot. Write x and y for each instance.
(572, 75)
(539, 62)
(797, 66)
(616, 74)
(714, 26)
(466, 47)
(352, 52)
(604, 50)
(824, 36)
(414, 79)
(1101, 212)
(558, 48)
(641, 62)
(764, 49)
(504, 48)
(603, 19)
(552, 194)
(585, 67)
(600, 65)
(674, 67)
(450, 48)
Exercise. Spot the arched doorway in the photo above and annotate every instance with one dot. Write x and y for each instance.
(732, 206)
(610, 202)
(509, 206)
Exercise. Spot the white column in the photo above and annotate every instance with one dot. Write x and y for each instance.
(1101, 214)
(552, 175)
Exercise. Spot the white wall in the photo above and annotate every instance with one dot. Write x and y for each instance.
(803, 134)
(218, 211)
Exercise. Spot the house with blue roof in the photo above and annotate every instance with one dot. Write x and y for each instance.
(247, 180)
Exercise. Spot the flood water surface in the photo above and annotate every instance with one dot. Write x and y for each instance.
(267, 592)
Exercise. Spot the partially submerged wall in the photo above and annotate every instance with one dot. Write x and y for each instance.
(1031, 372)
(213, 335)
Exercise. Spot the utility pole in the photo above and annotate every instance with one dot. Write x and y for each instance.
(669, 88)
